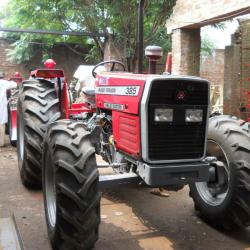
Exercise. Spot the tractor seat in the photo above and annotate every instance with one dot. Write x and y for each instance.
(88, 91)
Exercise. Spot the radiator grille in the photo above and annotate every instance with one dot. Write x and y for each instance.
(179, 139)
(164, 92)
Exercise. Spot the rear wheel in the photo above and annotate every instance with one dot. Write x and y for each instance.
(70, 186)
(37, 107)
(226, 201)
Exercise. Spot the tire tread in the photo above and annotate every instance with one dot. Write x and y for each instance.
(35, 96)
(75, 170)
(234, 136)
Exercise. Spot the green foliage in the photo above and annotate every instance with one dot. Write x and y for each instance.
(207, 46)
(93, 55)
(33, 14)
(220, 26)
(118, 18)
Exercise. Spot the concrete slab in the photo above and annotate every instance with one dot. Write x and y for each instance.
(9, 235)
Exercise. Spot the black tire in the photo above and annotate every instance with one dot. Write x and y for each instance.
(38, 106)
(9, 125)
(70, 186)
(226, 205)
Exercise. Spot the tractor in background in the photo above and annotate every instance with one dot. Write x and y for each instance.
(150, 128)
(12, 97)
(43, 99)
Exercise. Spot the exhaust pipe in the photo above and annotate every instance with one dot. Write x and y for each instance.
(140, 36)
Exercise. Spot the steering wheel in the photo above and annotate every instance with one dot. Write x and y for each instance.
(113, 62)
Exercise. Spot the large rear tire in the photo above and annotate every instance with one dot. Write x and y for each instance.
(38, 106)
(70, 186)
(225, 203)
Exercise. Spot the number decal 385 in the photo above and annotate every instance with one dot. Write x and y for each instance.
(131, 91)
(118, 90)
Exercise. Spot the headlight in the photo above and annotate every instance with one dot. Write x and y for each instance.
(194, 115)
(163, 115)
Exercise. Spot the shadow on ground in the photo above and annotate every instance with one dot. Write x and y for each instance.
(173, 219)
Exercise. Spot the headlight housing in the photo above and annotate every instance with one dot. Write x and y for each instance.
(194, 115)
(163, 115)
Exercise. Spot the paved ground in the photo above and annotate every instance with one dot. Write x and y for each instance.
(132, 218)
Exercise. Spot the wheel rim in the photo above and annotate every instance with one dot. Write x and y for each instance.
(20, 137)
(214, 193)
(50, 192)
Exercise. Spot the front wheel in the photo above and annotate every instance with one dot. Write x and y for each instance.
(226, 202)
(70, 186)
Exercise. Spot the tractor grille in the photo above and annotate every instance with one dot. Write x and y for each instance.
(177, 140)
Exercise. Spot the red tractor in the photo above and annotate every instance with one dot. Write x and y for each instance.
(149, 128)
(12, 96)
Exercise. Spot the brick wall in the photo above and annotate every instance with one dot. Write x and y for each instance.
(232, 80)
(244, 41)
(196, 13)
(65, 58)
(6, 66)
(212, 67)
(185, 22)
(237, 73)
(186, 52)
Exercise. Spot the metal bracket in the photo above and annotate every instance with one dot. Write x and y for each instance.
(106, 181)
(168, 174)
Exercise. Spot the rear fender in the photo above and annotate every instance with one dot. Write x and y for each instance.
(57, 79)
(47, 73)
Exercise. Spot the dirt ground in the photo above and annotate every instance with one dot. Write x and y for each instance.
(132, 218)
